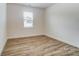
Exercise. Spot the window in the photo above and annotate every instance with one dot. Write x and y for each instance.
(28, 19)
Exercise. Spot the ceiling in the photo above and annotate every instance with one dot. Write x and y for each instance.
(38, 5)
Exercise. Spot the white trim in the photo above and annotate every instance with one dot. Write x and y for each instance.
(24, 36)
(51, 36)
(62, 40)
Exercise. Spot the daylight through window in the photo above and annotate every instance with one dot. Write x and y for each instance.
(28, 19)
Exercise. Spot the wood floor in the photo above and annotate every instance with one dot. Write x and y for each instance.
(38, 46)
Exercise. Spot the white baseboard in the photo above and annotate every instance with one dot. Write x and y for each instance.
(51, 36)
(3, 46)
(63, 40)
(24, 36)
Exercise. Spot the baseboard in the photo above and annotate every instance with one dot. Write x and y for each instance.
(51, 36)
(62, 40)
(4, 44)
(26, 36)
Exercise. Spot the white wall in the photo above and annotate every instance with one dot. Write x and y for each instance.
(2, 26)
(15, 21)
(62, 23)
